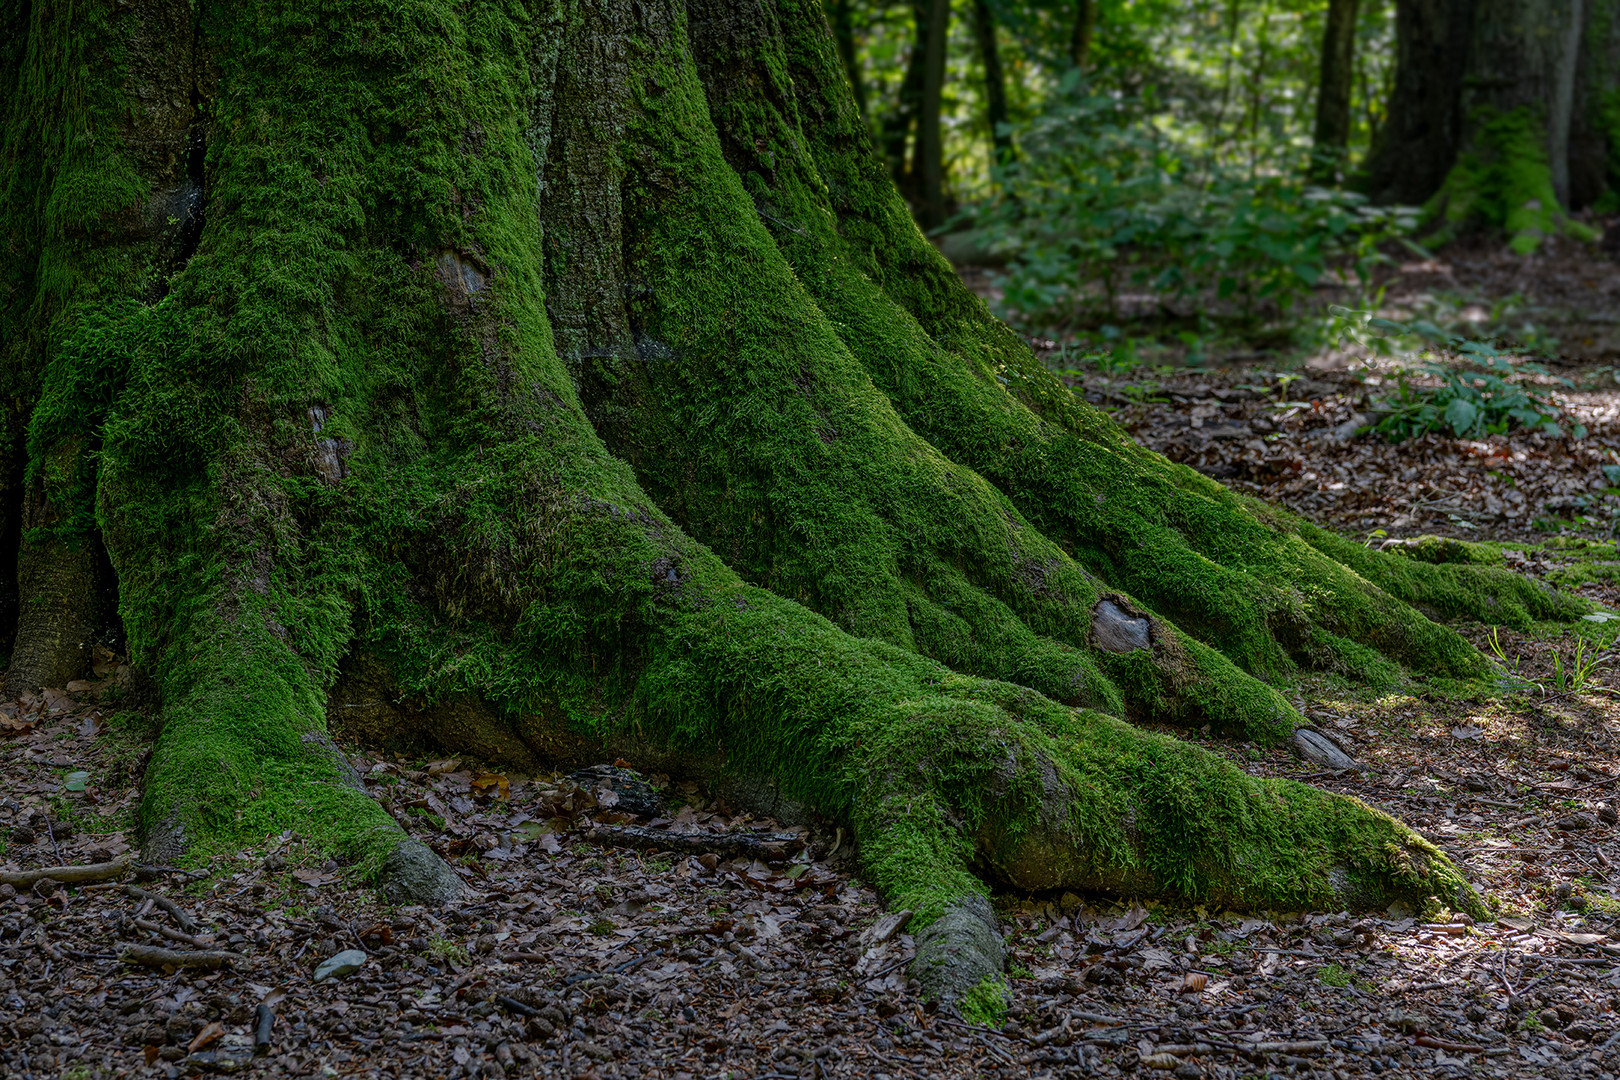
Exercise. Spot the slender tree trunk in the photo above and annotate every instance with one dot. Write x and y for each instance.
(930, 135)
(1332, 138)
(842, 18)
(995, 83)
(899, 126)
(1085, 22)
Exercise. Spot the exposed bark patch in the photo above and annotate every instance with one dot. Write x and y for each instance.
(1114, 629)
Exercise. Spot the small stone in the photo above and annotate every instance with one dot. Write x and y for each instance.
(1581, 1031)
(1187, 1071)
(344, 963)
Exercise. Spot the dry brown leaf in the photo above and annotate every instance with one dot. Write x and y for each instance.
(207, 1035)
(1194, 982)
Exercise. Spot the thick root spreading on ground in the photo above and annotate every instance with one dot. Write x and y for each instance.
(537, 391)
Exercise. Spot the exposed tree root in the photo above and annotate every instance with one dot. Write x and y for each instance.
(534, 391)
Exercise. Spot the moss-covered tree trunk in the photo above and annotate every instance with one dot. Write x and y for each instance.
(1497, 116)
(556, 379)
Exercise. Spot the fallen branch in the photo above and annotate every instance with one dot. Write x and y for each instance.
(187, 923)
(152, 956)
(1310, 1046)
(765, 847)
(67, 875)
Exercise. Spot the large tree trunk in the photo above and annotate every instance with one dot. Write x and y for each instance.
(1594, 136)
(569, 379)
(1484, 111)
(1419, 140)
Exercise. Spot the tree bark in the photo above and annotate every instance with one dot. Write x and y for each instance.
(1420, 139)
(995, 83)
(1332, 138)
(1085, 22)
(898, 126)
(930, 136)
(565, 381)
(1483, 114)
(1594, 138)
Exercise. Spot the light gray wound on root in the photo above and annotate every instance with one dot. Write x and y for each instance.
(959, 950)
(1112, 629)
(413, 874)
(1314, 746)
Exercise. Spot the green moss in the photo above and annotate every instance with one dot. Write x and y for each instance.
(987, 1002)
(1504, 180)
(1445, 549)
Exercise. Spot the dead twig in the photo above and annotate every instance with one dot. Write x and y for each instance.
(187, 923)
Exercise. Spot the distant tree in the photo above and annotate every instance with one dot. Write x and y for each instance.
(1085, 22)
(1334, 88)
(1502, 112)
(995, 81)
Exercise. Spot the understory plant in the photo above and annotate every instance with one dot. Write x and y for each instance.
(1472, 388)
(1103, 200)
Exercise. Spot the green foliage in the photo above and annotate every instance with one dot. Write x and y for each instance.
(1333, 975)
(1569, 678)
(1474, 388)
(1102, 199)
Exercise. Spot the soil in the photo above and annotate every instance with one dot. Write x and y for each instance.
(724, 946)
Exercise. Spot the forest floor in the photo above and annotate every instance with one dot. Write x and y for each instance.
(718, 951)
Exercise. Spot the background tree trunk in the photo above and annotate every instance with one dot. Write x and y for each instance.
(1085, 22)
(1594, 137)
(841, 14)
(1333, 91)
(995, 83)
(1419, 141)
(930, 137)
(899, 126)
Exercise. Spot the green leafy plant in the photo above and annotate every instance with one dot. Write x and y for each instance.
(1474, 389)
(1572, 678)
(1333, 975)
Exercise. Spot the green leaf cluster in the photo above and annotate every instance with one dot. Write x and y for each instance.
(1103, 200)
(1475, 387)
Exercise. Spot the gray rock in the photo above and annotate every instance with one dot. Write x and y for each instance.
(1346, 431)
(1115, 630)
(344, 963)
(1314, 746)
(413, 874)
(958, 950)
